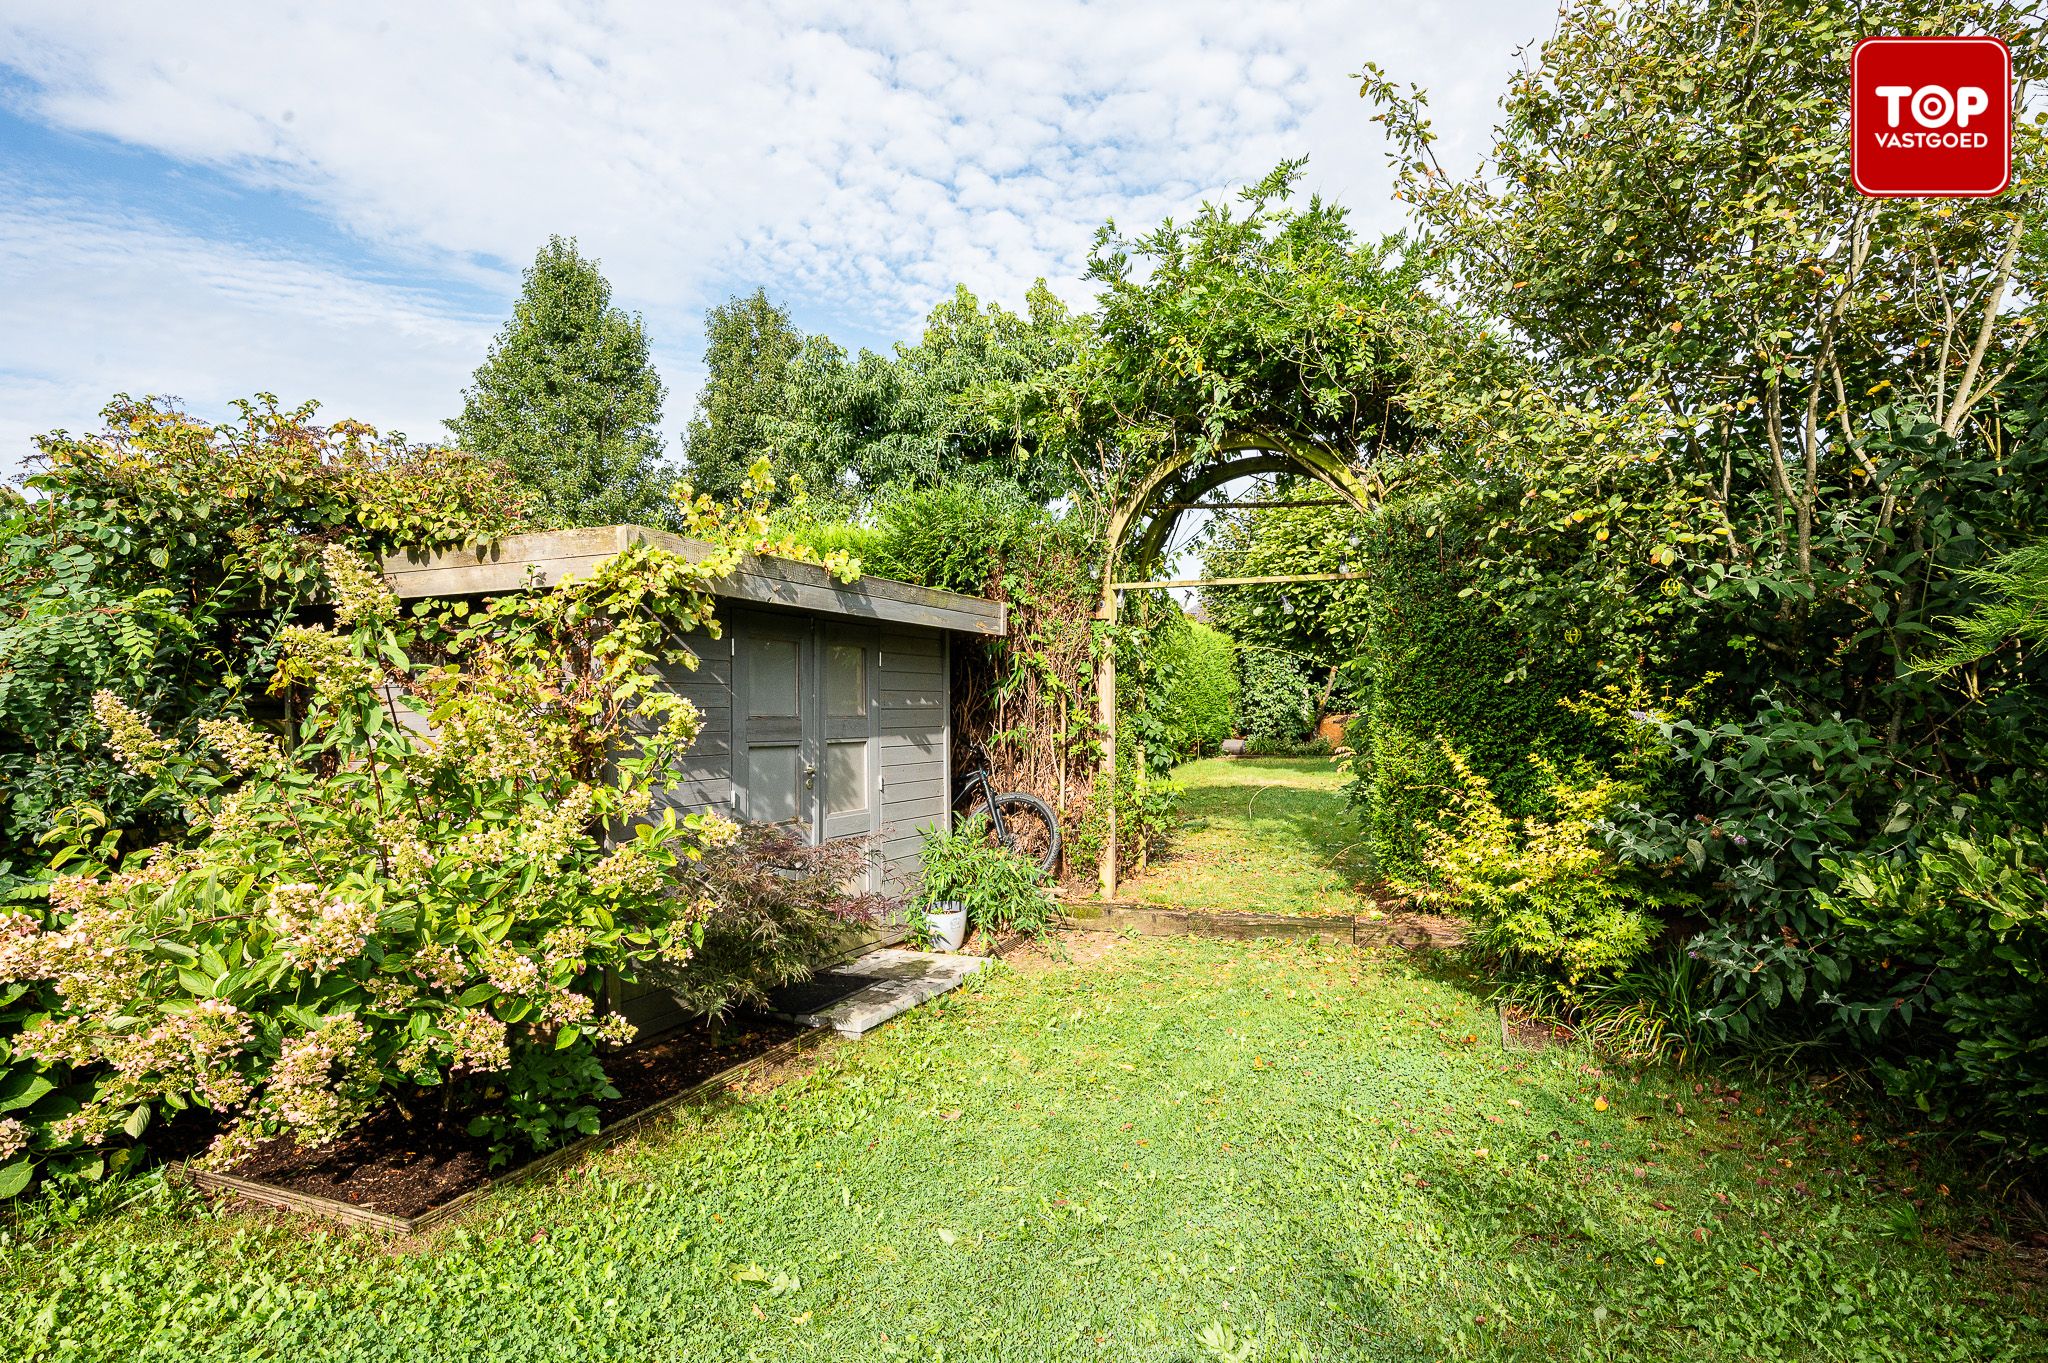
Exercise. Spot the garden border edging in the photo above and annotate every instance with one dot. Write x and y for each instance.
(272, 1195)
(1164, 920)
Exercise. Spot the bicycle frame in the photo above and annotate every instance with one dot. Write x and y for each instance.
(976, 783)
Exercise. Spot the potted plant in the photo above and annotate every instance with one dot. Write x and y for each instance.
(948, 867)
(967, 878)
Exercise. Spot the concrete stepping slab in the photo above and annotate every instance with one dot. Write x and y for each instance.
(901, 981)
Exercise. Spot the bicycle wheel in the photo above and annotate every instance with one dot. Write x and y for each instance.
(1033, 831)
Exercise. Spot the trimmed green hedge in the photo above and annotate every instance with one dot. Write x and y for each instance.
(1440, 665)
(1278, 704)
(1199, 686)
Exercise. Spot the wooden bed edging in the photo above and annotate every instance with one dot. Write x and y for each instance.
(1163, 920)
(272, 1195)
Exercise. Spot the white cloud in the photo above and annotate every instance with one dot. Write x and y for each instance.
(98, 304)
(858, 163)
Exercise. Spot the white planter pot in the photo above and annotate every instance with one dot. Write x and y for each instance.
(948, 922)
(1233, 747)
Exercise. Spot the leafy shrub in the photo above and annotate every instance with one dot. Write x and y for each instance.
(1541, 892)
(1439, 665)
(1322, 623)
(161, 559)
(1000, 890)
(367, 909)
(1760, 805)
(550, 1098)
(1147, 817)
(35, 1095)
(371, 910)
(860, 544)
(1648, 1012)
(1951, 982)
(1277, 701)
(1306, 747)
(957, 535)
(2014, 608)
(775, 906)
(1196, 669)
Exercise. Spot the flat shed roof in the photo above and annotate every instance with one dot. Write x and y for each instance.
(482, 569)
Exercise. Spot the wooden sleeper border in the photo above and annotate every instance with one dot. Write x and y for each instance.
(347, 1212)
(1164, 920)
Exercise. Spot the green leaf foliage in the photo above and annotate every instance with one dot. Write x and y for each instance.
(749, 344)
(1951, 986)
(1198, 686)
(1727, 425)
(1000, 890)
(160, 558)
(569, 401)
(1442, 664)
(853, 430)
(1276, 695)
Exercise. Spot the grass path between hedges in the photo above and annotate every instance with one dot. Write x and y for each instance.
(1162, 1149)
(1262, 835)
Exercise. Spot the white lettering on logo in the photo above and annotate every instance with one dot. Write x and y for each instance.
(1934, 106)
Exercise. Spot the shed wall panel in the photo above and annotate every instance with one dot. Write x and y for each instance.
(703, 780)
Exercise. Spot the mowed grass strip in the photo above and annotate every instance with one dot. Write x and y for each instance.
(1181, 1149)
(1261, 835)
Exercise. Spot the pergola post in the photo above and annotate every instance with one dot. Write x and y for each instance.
(1105, 719)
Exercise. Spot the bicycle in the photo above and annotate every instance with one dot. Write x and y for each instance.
(1019, 822)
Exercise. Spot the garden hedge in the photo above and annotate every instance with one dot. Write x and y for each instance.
(1439, 665)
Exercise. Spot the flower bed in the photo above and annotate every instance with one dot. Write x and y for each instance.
(390, 1173)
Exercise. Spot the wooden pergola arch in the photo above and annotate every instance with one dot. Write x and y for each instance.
(1145, 519)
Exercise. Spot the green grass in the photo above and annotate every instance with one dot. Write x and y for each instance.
(1295, 1152)
(1262, 835)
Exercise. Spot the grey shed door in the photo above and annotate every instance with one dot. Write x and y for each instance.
(849, 727)
(775, 688)
(807, 725)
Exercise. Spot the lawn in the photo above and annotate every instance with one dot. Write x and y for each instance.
(1262, 835)
(1168, 1149)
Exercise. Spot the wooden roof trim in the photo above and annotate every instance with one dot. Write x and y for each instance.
(548, 556)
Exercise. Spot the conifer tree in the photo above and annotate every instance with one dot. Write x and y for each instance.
(568, 399)
(749, 344)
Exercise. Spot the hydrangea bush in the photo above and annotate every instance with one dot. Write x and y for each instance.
(424, 885)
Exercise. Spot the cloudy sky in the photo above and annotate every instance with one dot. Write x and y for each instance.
(336, 201)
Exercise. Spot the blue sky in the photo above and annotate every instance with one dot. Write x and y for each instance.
(336, 201)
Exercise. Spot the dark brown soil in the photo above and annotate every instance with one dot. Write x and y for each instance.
(403, 1168)
(1522, 1028)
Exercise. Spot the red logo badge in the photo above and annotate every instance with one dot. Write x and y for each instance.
(1931, 118)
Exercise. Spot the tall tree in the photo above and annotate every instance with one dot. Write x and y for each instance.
(749, 343)
(568, 400)
(934, 412)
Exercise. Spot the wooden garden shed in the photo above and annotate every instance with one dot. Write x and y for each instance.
(827, 705)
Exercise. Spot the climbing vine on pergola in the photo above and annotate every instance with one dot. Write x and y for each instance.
(1256, 339)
